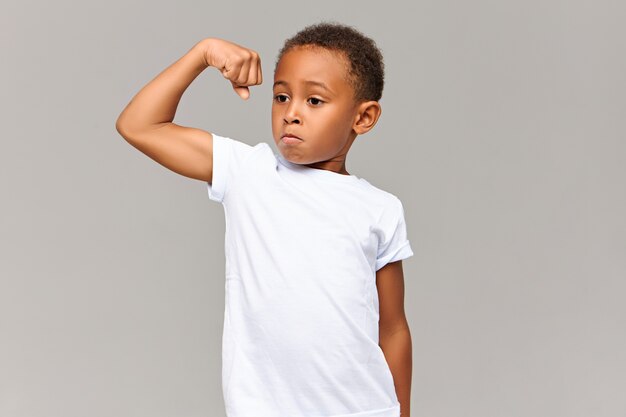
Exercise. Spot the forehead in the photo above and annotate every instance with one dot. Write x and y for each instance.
(311, 65)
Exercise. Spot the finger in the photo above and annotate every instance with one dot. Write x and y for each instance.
(242, 79)
(226, 71)
(253, 74)
(258, 75)
(242, 91)
(254, 77)
(231, 68)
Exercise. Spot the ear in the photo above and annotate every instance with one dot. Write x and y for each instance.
(366, 117)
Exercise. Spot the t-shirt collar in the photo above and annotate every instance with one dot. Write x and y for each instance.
(317, 172)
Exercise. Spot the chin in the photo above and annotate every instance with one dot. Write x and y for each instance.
(294, 161)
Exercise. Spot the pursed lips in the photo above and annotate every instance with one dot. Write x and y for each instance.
(289, 135)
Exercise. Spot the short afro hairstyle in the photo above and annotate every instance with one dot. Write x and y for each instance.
(367, 69)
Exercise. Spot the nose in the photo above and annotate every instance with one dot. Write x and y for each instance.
(291, 115)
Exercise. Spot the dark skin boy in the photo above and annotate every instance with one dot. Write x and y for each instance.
(313, 100)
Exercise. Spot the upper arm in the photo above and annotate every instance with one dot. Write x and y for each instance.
(390, 287)
(393, 242)
(187, 151)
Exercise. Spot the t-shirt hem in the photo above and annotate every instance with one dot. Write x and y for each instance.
(383, 412)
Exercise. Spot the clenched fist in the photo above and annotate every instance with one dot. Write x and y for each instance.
(240, 65)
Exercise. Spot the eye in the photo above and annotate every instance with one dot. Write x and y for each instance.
(317, 99)
(277, 96)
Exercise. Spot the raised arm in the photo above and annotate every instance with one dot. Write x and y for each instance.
(146, 121)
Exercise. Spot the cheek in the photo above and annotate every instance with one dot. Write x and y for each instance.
(337, 120)
(277, 113)
(276, 123)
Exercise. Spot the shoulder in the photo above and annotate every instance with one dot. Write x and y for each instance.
(232, 160)
(238, 144)
(385, 200)
(236, 150)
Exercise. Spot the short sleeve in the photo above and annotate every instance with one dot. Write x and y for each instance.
(228, 157)
(393, 243)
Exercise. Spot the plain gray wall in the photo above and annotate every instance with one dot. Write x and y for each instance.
(503, 133)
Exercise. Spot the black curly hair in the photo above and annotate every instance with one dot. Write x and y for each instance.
(366, 73)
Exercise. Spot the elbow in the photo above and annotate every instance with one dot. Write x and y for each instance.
(119, 127)
(122, 128)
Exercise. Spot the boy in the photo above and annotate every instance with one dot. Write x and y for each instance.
(314, 321)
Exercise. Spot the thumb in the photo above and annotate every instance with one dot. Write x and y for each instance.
(243, 91)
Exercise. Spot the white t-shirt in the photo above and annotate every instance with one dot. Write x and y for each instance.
(302, 248)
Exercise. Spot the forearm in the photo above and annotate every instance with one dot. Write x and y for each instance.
(157, 101)
(397, 348)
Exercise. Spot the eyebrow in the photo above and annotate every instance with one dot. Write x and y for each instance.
(310, 82)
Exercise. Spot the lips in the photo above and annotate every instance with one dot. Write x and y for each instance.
(291, 140)
(289, 135)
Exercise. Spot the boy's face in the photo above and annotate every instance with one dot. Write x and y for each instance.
(322, 118)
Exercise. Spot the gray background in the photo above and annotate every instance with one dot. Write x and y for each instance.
(503, 133)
